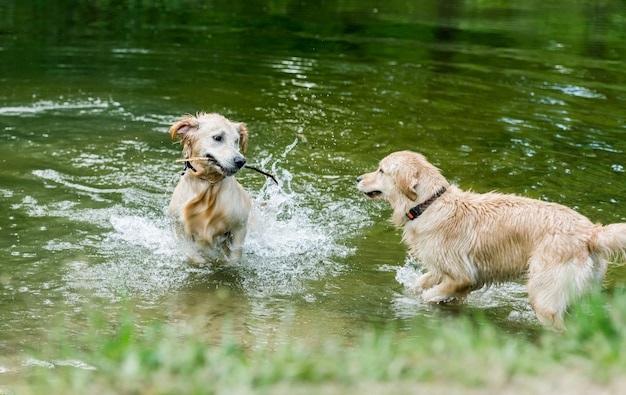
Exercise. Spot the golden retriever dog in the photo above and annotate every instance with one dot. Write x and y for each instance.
(208, 203)
(467, 240)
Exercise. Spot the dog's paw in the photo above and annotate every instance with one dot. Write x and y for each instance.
(430, 297)
(441, 300)
(415, 290)
(425, 281)
(196, 259)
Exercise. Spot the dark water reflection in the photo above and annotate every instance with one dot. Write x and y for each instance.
(525, 98)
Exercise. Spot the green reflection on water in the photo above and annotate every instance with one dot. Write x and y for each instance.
(515, 98)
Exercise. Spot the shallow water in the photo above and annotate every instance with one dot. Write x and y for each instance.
(518, 99)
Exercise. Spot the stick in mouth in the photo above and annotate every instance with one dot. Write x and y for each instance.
(246, 166)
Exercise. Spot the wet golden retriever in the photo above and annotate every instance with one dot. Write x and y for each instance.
(467, 240)
(208, 203)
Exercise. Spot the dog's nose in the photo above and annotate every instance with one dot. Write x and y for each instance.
(358, 179)
(240, 161)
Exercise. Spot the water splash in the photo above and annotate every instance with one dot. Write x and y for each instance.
(290, 242)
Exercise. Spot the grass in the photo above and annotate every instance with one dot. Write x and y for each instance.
(459, 355)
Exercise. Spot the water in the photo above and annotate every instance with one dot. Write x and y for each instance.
(513, 98)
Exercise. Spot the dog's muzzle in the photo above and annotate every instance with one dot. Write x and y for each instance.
(237, 163)
(370, 194)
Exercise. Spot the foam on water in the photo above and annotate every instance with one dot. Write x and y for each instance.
(85, 106)
(140, 257)
(35, 108)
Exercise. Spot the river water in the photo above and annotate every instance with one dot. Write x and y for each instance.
(527, 99)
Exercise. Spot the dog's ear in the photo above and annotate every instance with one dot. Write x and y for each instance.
(407, 182)
(184, 127)
(243, 136)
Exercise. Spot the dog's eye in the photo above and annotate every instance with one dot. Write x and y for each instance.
(218, 137)
(380, 171)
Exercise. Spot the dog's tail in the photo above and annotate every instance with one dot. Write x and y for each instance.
(609, 239)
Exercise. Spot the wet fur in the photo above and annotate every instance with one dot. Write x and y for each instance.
(208, 204)
(467, 240)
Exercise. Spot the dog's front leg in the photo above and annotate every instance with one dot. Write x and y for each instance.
(447, 290)
(424, 282)
(234, 254)
(235, 245)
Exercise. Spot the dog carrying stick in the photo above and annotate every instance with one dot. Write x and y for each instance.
(246, 166)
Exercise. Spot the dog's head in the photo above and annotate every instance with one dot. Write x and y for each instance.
(220, 143)
(402, 178)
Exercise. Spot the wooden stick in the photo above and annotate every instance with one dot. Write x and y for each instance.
(262, 172)
(246, 166)
(192, 158)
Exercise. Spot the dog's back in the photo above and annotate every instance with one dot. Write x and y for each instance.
(493, 236)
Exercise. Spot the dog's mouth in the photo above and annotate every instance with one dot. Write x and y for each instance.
(212, 161)
(373, 194)
(225, 171)
(211, 167)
